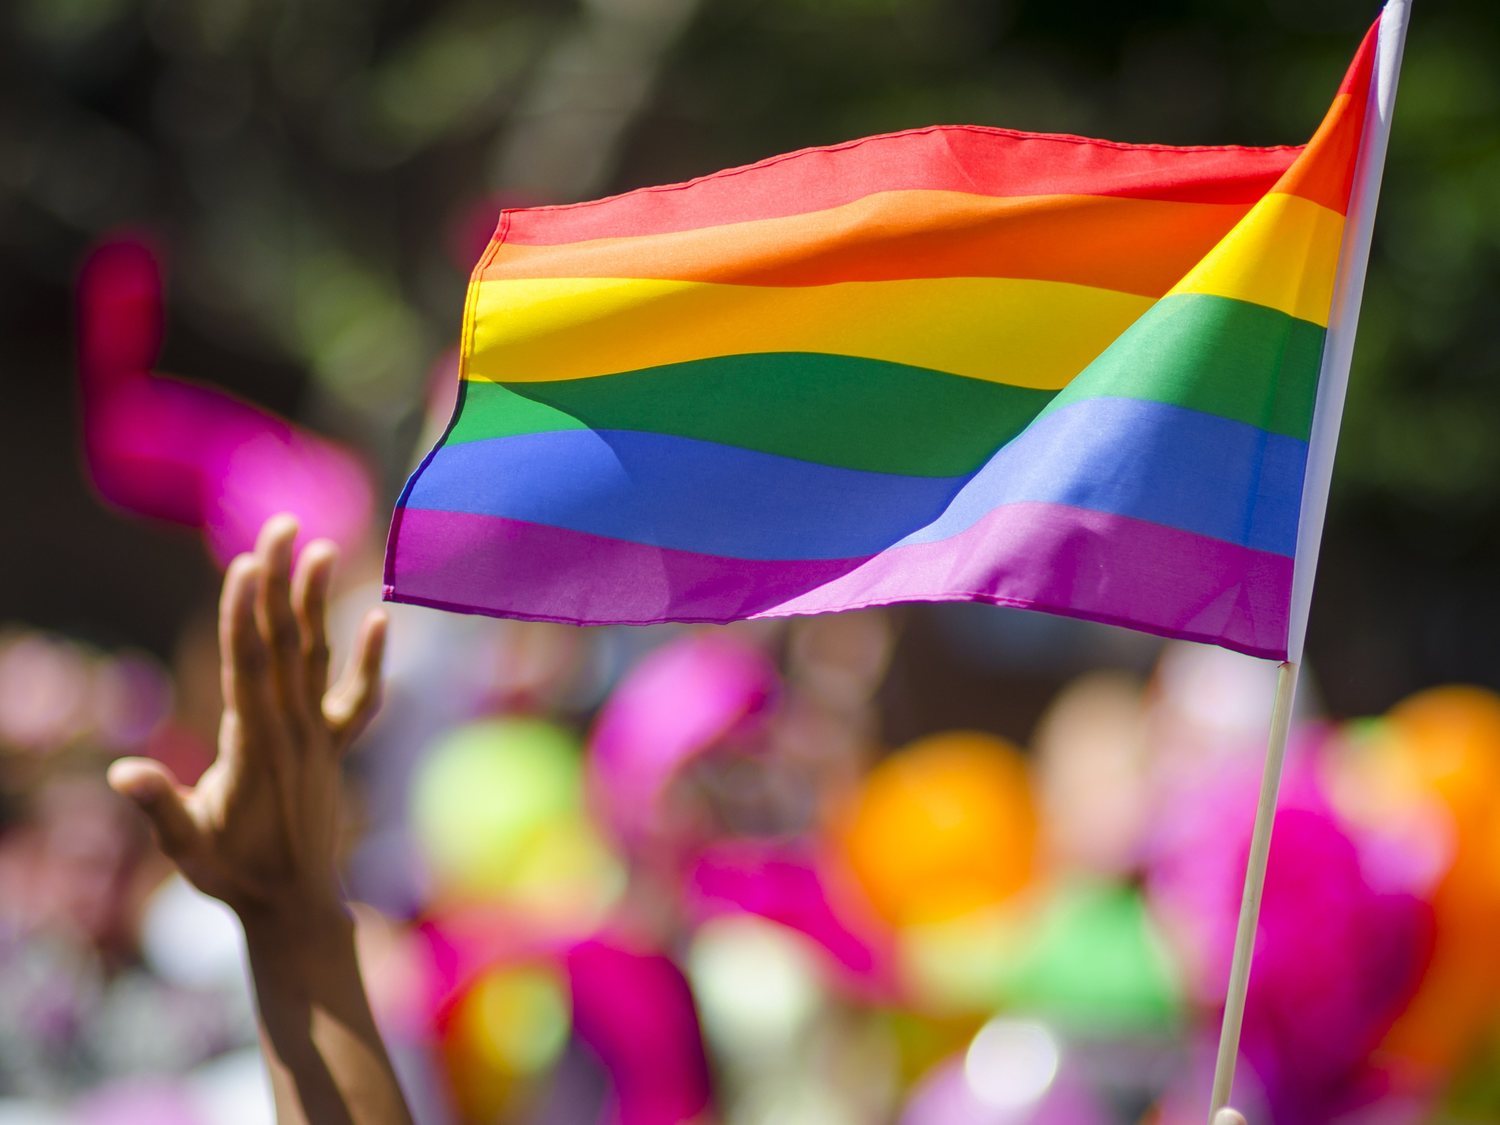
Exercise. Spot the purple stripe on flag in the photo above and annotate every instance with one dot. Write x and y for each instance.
(1051, 557)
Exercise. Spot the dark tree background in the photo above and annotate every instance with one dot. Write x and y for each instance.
(320, 174)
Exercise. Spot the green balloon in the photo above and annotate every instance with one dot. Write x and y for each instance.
(1094, 964)
(487, 794)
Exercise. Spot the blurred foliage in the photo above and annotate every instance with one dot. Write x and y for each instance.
(323, 173)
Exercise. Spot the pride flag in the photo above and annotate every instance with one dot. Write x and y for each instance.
(953, 363)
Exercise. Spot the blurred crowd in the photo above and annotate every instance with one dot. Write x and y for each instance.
(670, 875)
(676, 875)
(645, 877)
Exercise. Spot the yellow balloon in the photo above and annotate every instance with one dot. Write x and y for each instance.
(509, 1027)
(498, 809)
(516, 1019)
(943, 828)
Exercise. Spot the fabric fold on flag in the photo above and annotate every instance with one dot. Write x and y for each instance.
(955, 363)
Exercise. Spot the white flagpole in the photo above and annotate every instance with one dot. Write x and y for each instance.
(1348, 289)
(1255, 882)
(1333, 384)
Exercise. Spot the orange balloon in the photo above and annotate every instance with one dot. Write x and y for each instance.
(942, 828)
(1452, 735)
(1446, 742)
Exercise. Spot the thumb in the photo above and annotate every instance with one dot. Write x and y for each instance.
(153, 788)
(1228, 1117)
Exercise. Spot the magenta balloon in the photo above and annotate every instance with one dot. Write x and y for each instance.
(1337, 954)
(189, 453)
(783, 884)
(676, 703)
(633, 1008)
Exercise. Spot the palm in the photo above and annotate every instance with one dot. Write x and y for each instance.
(260, 827)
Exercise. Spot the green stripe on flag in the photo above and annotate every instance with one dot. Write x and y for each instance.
(1212, 354)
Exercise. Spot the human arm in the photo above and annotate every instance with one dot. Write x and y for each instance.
(260, 829)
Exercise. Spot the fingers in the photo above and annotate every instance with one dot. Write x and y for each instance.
(274, 643)
(155, 791)
(274, 614)
(352, 704)
(244, 662)
(310, 605)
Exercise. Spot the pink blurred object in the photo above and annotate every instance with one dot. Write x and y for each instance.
(1010, 1088)
(189, 453)
(675, 704)
(634, 1010)
(140, 1101)
(784, 885)
(455, 948)
(1340, 946)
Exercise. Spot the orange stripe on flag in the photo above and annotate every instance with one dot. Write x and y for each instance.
(1140, 246)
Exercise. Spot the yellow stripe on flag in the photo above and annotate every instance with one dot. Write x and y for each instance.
(1025, 333)
(1283, 255)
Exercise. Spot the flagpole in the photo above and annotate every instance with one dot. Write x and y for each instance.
(1255, 882)
(1348, 289)
(1333, 384)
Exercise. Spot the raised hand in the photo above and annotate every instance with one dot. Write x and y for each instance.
(260, 828)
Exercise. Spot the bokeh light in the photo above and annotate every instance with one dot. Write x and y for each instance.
(1011, 1063)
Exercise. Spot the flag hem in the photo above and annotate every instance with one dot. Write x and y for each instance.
(392, 595)
(845, 146)
(465, 346)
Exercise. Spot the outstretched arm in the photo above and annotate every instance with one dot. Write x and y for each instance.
(260, 829)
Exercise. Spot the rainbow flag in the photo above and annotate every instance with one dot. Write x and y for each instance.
(953, 363)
